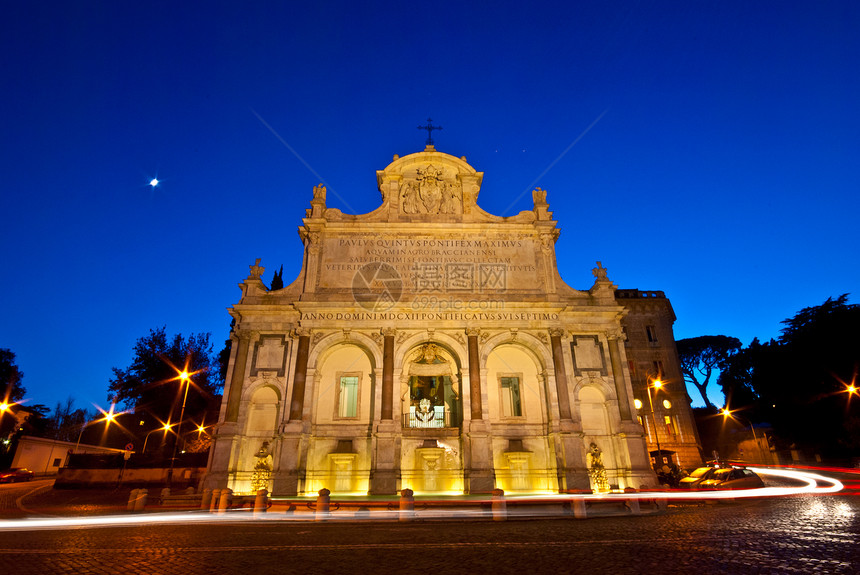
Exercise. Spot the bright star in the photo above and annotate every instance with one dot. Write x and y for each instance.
(154, 182)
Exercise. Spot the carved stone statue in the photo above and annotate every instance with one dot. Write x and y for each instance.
(599, 272)
(410, 199)
(262, 468)
(319, 192)
(596, 470)
(256, 270)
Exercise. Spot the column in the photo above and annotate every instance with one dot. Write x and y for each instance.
(474, 375)
(618, 376)
(479, 468)
(237, 380)
(388, 373)
(227, 436)
(289, 475)
(560, 373)
(297, 401)
(386, 437)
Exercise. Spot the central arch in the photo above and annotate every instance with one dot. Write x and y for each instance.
(430, 388)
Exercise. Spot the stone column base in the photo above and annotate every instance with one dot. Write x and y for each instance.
(480, 481)
(383, 482)
(574, 480)
(285, 483)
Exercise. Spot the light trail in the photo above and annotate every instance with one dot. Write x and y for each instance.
(810, 485)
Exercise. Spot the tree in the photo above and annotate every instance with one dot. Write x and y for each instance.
(700, 356)
(152, 382)
(736, 375)
(11, 389)
(800, 382)
(65, 423)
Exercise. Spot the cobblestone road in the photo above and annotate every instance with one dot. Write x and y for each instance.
(807, 534)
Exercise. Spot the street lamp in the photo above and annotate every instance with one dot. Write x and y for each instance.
(656, 385)
(109, 416)
(165, 428)
(186, 381)
(728, 414)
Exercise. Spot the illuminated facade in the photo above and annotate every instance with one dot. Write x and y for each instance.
(428, 345)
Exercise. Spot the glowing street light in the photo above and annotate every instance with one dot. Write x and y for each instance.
(154, 182)
(165, 428)
(108, 416)
(185, 379)
(727, 413)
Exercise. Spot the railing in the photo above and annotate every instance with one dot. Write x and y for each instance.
(635, 293)
(434, 418)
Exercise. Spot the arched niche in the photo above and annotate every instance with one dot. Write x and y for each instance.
(430, 387)
(331, 341)
(592, 411)
(514, 384)
(262, 415)
(343, 384)
(538, 350)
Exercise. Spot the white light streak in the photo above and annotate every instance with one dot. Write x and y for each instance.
(810, 485)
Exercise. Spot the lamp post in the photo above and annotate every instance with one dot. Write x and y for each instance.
(727, 414)
(186, 381)
(109, 416)
(657, 385)
(165, 428)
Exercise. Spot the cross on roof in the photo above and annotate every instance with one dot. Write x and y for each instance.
(429, 127)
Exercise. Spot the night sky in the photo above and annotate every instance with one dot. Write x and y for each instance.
(706, 149)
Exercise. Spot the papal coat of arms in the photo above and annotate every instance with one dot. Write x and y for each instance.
(430, 194)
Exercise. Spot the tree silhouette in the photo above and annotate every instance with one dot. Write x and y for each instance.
(701, 356)
(800, 382)
(11, 389)
(152, 383)
(278, 279)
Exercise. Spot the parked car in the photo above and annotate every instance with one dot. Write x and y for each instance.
(732, 478)
(693, 480)
(16, 474)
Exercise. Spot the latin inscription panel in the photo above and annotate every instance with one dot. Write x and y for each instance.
(431, 265)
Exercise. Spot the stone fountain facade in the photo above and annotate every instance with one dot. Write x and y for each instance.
(433, 346)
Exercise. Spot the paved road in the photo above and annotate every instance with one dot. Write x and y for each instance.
(10, 492)
(804, 534)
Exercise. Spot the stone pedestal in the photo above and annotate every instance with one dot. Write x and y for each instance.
(383, 477)
(479, 474)
(572, 470)
(287, 479)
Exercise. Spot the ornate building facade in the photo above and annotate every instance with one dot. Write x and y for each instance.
(431, 345)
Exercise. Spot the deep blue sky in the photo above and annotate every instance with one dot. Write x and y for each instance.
(724, 169)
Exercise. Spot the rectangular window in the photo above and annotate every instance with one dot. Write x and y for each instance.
(651, 332)
(57, 462)
(348, 399)
(658, 368)
(670, 425)
(511, 403)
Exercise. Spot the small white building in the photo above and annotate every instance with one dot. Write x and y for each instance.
(46, 456)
